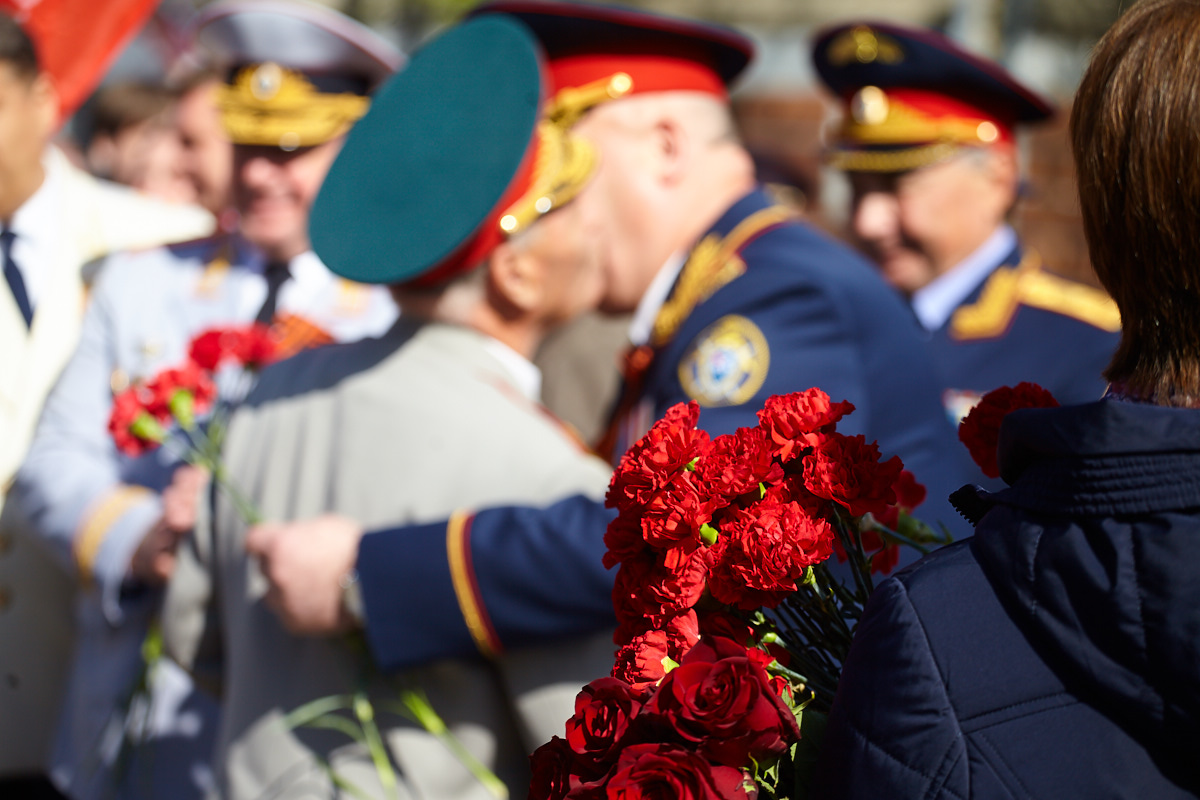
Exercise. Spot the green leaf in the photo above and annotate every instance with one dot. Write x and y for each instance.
(148, 429)
(317, 708)
(336, 722)
(808, 751)
(708, 533)
(183, 408)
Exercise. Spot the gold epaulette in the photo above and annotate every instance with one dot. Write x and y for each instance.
(1009, 288)
(713, 263)
(216, 269)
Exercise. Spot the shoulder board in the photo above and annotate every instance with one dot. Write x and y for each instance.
(712, 264)
(1008, 288)
(217, 266)
(1069, 298)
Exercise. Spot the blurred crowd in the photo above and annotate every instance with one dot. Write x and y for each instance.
(492, 264)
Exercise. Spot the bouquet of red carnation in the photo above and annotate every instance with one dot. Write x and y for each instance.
(732, 627)
(146, 415)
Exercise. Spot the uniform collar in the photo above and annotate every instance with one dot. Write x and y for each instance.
(652, 301)
(525, 376)
(936, 301)
(39, 214)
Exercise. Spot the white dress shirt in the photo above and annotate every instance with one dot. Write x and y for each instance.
(934, 302)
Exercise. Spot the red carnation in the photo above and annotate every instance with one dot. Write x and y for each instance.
(763, 551)
(210, 348)
(640, 662)
(848, 471)
(674, 515)
(134, 429)
(790, 419)
(727, 708)
(980, 429)
(256, 347)
(624, 540)
(658, 585)
(736, 464)
(909, 495)
(669, 446)
(167, 385)
(252, 346)
(661, 771)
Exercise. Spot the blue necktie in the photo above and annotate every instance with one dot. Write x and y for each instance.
(276, 274)
(13, 275)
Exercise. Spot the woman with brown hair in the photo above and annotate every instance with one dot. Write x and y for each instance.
(1057, 653)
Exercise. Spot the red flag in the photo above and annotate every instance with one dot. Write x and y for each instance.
(77, 40)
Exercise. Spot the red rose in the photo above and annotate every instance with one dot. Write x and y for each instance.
(167, 384)
(980, 429)
(763, 551)
(669, 772)
(674, 515)
(736, 464)
(552, 766)
(848, 471)
(789, 419)
(727, 709)
(659, 584)
(669, 446)
(603, 712)
(134, 429)
(720, 623)
(640, 662)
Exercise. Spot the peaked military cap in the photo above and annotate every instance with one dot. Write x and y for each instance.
(298, 74)
(452, 158)
(913, 97)
(598, 52)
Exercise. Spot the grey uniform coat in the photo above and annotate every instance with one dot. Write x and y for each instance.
(409, 427)
(89, 506)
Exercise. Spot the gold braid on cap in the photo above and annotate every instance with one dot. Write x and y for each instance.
(573, 102)
(564, 164)
(873, 118)
(564, 160)
(270, 105)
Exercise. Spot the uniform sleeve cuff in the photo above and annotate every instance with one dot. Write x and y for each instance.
(399, 569)
(108, 538)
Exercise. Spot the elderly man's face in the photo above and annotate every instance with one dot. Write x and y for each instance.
(916, 225)
(274, 190)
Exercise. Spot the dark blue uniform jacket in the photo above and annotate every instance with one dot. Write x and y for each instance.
(1056, 653)
(827, 319)
(1025, 324)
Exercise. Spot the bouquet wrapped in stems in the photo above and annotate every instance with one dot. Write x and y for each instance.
(733, 619)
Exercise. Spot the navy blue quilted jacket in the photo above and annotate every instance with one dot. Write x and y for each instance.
(1056, 654)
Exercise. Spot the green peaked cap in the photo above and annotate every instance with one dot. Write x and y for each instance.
(429, 163)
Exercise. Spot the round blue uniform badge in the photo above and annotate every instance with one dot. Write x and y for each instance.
(726, 364)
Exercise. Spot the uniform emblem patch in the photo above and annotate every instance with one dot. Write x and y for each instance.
(726, 364)
(958, 403)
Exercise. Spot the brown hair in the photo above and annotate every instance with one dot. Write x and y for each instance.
(1135, 134)
(17, 49)
(123, 105)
